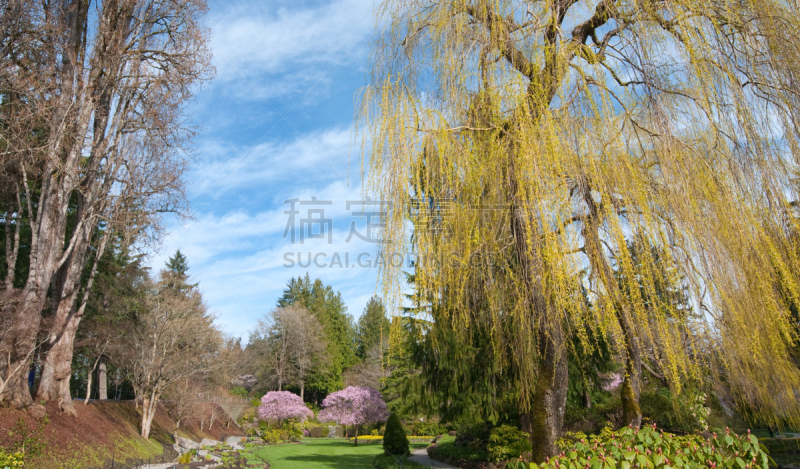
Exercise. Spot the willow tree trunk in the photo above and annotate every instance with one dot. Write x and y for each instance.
(544, 422)
(545, 419)
(631, 411)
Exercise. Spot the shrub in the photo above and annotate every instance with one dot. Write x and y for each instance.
(507, 442)
(395, 440)
(653, 449)
(428, 428)
(271, 436)
(474, 435)
(185, 458)
(12, 460)
(293, 430)
(239, 391)
(318, 432)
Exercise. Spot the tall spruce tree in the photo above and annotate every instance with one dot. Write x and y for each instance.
(329, 308)
(373, 327)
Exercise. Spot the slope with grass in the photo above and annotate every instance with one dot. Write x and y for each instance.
(101, 431)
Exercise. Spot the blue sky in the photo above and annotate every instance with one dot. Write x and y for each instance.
(275, 124)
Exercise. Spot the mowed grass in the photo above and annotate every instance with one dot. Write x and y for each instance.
(322, 453)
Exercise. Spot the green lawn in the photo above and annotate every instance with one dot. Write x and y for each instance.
(322, 453)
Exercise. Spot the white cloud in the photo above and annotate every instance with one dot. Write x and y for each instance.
(309, 158)
(294, 46)
(238, 258)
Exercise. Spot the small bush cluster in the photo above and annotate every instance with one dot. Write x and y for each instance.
(473, 435)
(289, 432)
(650, 448)
(507, 442)
(426, 428)
(395, 440)
(12, 460)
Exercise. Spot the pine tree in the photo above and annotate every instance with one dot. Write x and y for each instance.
(178, 264)
(373, 327)
(177, 273)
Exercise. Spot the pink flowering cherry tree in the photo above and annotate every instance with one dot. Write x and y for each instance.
(282, 405)
(354, 405)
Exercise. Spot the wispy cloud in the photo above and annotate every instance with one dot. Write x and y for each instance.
(304, 160)
(293, 46)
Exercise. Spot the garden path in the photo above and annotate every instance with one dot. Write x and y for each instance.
(420, 456)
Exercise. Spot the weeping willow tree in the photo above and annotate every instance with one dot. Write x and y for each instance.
(536, 141)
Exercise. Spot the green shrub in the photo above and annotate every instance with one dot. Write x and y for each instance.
(395, 440)
(474, 435)
(294, 431)
(10, 460)
(185, 458)
(428, 429)
(652, 449)
(271, 436)
(318, 432)
(239, 391)
(507, 442)
(447, 449)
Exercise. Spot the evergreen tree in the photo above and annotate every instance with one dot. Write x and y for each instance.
(395, 441)
(327, 305)
(177, 273)
(178, 264)
(373, 327)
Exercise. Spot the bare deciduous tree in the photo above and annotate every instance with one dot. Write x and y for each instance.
(290, 343)
(106, 94)
(171, 339)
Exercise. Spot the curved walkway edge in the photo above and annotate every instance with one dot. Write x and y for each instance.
(420, 456)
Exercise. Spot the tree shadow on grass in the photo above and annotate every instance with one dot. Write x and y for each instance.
(337, 461)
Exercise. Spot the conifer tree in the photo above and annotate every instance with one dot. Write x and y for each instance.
(373, 327)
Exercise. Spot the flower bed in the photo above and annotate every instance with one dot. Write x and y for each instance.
(379, 438)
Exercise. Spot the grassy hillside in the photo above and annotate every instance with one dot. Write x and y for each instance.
(102, 430)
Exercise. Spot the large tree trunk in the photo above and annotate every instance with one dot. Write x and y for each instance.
(631, 412)
(57, 367)
(102, 380)
(68, 124)
(544, 422)
(18, 342)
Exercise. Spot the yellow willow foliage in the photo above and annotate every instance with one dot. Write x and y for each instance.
(600, 124)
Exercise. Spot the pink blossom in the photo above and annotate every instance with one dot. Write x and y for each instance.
(613, 381)
(282, 405)
(354, 406)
